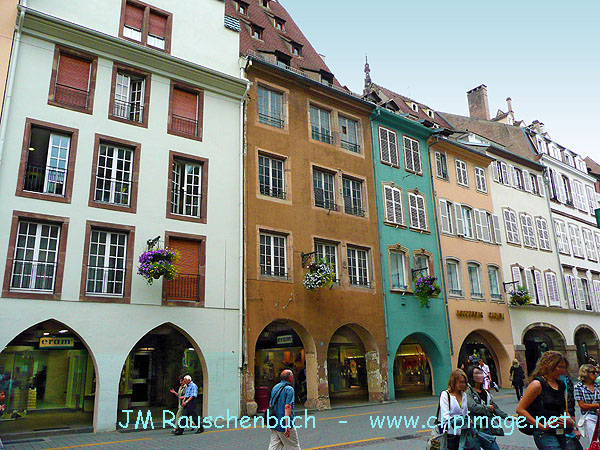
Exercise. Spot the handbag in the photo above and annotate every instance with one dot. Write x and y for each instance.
(439, 438)
(595, 445)
(269, 414)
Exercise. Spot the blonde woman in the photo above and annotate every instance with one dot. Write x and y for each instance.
(587, 394)
(546, 397)
(454, 410)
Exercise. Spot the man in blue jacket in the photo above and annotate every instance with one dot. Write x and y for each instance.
(284, 435)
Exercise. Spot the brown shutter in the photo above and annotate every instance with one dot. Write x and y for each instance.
(187, 285)
(73, 72)
(158, 25)
(185, 104)
(134, 16)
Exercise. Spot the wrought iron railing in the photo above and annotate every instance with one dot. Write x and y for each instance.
(455, 292)
(324, 201)
(105, 280)
(44, 179)
(128, 110)
(186, 287)
(272, 191)
(274, 121)
(350, 208)
(32, 275)
(120, 190)
(477, 294)
(185, 205)
(496, 296)
(71, 96)
(361, 283)
(323, 137)
(277, 273)
(184, 125)
(352, 146)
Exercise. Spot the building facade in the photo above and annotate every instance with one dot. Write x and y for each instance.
(125, 137)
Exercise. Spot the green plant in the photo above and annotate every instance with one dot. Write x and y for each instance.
(520, 296)
(320, 274)
(425, 288)
(158, 263)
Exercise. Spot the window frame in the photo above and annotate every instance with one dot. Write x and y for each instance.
(271, 234)
(480, 295)
(145, 25)
(369, 275)
(203, 162)
(444, 176)
(480, 175)
(271, 158)
(454, 292)
(130, 70)
(457, 163)
(412, 153)
(199, 112)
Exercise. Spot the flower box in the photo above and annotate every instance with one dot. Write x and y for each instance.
(158, 263)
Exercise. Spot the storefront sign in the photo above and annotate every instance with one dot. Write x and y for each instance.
(57, 342)
(474, 314)
(497, 316)
(285, 339)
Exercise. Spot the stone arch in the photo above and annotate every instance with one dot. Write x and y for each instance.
(375, 380)
(559, 334)
(586, 344)
(78, 377)
(501, 359)
(539, 337)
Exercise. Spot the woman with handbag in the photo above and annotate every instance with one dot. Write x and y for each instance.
(587, 394)
(454, 411)
(545, 397)
(482, 409)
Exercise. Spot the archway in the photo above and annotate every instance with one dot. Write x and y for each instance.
(586, 343)
(539, 339)
(480, 344)
(153, 367)
(413, 374)
(49, 377)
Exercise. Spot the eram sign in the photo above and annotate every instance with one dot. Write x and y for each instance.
(57, 342)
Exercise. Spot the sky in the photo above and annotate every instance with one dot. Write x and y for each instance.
(545, 55)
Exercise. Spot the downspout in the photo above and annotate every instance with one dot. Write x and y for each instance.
(10, 81)
(439, 243)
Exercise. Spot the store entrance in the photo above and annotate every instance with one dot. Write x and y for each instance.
(586, 344)
(346, 368)
(539, 340)
(412, 372)
(48, 376)
(476, 347)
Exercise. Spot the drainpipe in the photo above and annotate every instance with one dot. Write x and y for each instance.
(10, 81)
(439, 243)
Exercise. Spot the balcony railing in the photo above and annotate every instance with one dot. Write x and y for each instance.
(496, 297)
(361, 283)
(184, 125)
(128, 110)
(272, 192)
(71, 96)
(113, 191)
(105, 280)
(350, 208)
(186, 287)
(276, 273)
(477, 294)
(323, 137)
(352, 146)
(44, 179)
(274, 121)
(455, 292)
(33, 275)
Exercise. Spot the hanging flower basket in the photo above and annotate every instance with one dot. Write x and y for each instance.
(320, 274)
(425, 288)
(520, 297)
(158, 263)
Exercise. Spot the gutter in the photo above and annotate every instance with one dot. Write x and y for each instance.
(12, 68)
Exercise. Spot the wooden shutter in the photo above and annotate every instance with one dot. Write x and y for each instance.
(596, 288)
(422, 212)
(134, 16)
(539, 287)
(495, 171)
(187, 284)
(389, 203)
(527, 181)
(496, 226)
(416, 154)
(393, 148)
(541, 185)
(185, 104)
(485, 226)
(408, 160)
(552, 286)
(414, 210)
(444, 216)
(157, 25)
(478, 224)
(505, 174)
(460, 224)
(73, 72)
(570, 294)
(530, 284)
(397, 200)
(384, 145)
(516, 276)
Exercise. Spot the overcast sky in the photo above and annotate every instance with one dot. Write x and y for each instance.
(545, 55)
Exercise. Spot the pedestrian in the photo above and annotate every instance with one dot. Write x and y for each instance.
(180, 396)
(454, 410)
(189, 403)
(283, 434)
(2, 408)
(587, 394)
(482, 407)
(517, 378)
(486, 374)
(545, 397)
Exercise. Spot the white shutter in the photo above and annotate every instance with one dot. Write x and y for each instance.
(577, 298)
(505, 174)
(439, 168)
(570, 294)
(539, 286)
(531, 230)
(414, 211)
(516, 276)
(384, 145)
(485, 226)
(416, 154)
(597, 238)
(389, 203)
(478, 226)
(422, 212)
(408, 160)
(393, 147)
(512, 176)
(552, 286)
(590, 247)
(591, 198)
(399, 216)
(575, 240)
(527, 181)
(541, 185)
(530, 285)
(596, 285)
(495, 171)
(581, 294)
(524, 230)
(444, 217)
(496, 225)
(562, 193)
(543, 235)
(552, 186)
(460, 225)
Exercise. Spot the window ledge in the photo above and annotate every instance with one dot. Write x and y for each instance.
(143, 124)
(42, 196)
(395, 225)
(419, 230)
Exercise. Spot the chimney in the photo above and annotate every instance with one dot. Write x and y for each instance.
(538, 126)
(478, 103)
(509, 104)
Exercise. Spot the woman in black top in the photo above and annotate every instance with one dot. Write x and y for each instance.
(517, 376)
(546, 397)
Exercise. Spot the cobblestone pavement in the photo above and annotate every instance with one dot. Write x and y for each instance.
(338, 429)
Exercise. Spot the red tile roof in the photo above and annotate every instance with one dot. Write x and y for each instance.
(593, 166)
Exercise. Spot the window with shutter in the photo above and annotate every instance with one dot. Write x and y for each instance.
(496, 229)
(597, 239)
(186, 112)
(189, 284)
(73, 79)
(412, 155)
(541, 185)
(486, 226)
(157, 30)
(496, 175)
(416, 154)
(579, 197)
(422, 212)
(146, 24)
(388, 146)
(596, 286)
(591, 198)
(543, 234)
(393, 205)
(577, 298)
(445, 222)
(530, 285)
(528, 231)
(460, 224)
(505, 175)
(478, 225)
(584, 295)
(133, 21)
(539, 287)
(511, 227)
(441, 166)
(590, 246)
(418, 216)
(527, 181)
(561, 236)
(516, 276)
(552, 286)
(576, 240)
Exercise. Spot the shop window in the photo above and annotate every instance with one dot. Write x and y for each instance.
(412, 372)
(346, 367)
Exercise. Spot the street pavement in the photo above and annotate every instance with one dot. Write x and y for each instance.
(337, 429)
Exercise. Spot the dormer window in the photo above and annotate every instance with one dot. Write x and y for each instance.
(265, 3)
(242, 7)
(257, 32)
(283, 61)
(431, 113)
(279, 24)
(327, 79)
(414, 107)
(296, 49)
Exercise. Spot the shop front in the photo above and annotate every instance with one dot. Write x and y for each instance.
(538, 340)
(476, 347)
(412, 372)
(346, 367)
(47, 374)
(586, 343)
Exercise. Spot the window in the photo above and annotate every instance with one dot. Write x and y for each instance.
(353, 197)
(35, 258)
(511, 227)
(422, 265)
(412, 155)
(188, 287)
(273, 255)
(446, 216)
(518, 178)
(147, 25)
(462, 176)
(324, 187)
(590, 246)
(591, 198)
(328, 253)
(494, 280)
(188, 188)
(567, 194)
(270, 107)
(584, 294)
(257, 32)
(270, 177)
(265, 3)
(114, 175)
(279, 24)
(576, 240)
(393, 205)
(467, 216)
(483, 227)
(441, 166)
(283, 61)
(480, 180)
(348, 134)
(580, 200)
(73, 80)
(561, 236)
(185, 111)
(474, 283)
(296, 49)
(552, 287)
(320, 125)
(242, 7)
(388, 146)
(130, 97)
(528, 231)
(452, 273)
(575, 300)
(106, 263)
(543, 233)
(398, 270)
(418, 214)
(358, 271)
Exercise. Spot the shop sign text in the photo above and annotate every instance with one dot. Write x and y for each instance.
(57, 342)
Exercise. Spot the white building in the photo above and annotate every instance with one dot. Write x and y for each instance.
(122, 123)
